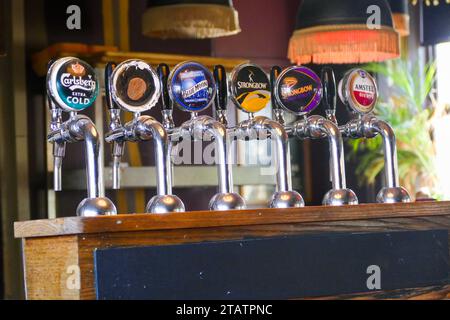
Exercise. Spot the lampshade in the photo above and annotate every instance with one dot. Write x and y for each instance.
(190, 19)
(337, 31)
(400, 15)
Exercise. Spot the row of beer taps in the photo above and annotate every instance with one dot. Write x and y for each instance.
(134, 86)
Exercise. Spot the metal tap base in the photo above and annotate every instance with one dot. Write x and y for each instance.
(393, 195)
(165, 204)
(227, 201)
(286, 199)
(94, 207)
(340, 197)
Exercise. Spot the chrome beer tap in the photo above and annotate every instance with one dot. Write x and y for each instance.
(133, 86)
(358, 90)
(277, 110)
(192, 88)
(163, 71)
(329, 93)
(299, 91)
(72, 86)
(250, 92)
(221, 100)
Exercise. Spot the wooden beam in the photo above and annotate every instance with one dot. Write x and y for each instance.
(208, 219)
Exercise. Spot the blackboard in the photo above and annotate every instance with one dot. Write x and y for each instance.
(274, 268)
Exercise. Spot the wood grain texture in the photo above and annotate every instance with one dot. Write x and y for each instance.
(428, 293)
(49, 262)
(51, 246)
(100, 55)
(207, 219)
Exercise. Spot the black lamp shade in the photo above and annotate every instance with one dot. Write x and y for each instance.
(313, 13)
(400, 15)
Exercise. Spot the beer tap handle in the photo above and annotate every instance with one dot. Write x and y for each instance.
(274, 74)
(163, 72)
(329, 93)
(109, 68)
(59, 147)
(51, 104)
(114, 110)
(221, 99)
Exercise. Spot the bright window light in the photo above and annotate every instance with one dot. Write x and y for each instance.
(443, 72)
(441, 126)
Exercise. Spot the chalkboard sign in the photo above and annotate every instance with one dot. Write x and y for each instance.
(275, 268)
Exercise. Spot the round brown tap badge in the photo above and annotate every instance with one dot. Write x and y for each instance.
(299, 90)
(250, 88)
(135, 86)
(358, 90)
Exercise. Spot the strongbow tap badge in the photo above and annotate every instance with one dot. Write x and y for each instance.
(73, 84)
(192, 87)
(359, 90)
(250, 88)
(298, 90)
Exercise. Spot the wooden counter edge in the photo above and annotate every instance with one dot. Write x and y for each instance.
(207, 219)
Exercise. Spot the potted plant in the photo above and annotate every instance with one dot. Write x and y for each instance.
(408, 105)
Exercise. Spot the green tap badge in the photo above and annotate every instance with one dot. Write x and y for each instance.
(72, 84)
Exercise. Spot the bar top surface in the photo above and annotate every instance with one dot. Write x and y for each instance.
(209, 219)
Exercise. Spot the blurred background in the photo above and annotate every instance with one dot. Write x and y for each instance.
(414, 99)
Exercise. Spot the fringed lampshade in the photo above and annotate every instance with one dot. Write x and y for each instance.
(190, 19)
(400, 15)
(337, 32)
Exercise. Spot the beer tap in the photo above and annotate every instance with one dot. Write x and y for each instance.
(221, 100)
(163, 71)
(358, 90)
(133, 86)
(299, 91)
(72, 86)
(277, 110)
(329, 93)
(192, 88)
(250, 92)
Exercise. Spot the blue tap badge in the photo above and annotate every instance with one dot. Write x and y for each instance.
(72, 84)
(192, 87)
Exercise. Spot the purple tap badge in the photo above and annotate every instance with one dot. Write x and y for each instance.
(192, 87)
(299, 90)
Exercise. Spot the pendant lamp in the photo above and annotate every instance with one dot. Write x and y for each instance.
(190, 19)
(430, 2)
(337, 32)
(400, 15)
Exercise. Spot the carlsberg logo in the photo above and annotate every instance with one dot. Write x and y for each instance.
(74, 83)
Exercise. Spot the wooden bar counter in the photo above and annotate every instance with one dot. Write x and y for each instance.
(53, 250)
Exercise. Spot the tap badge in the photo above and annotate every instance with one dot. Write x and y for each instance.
(192, 87)
(362, 91)
(135, 86)
(72, 84)
(299, 90)
(358, 90)
(250, 88)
